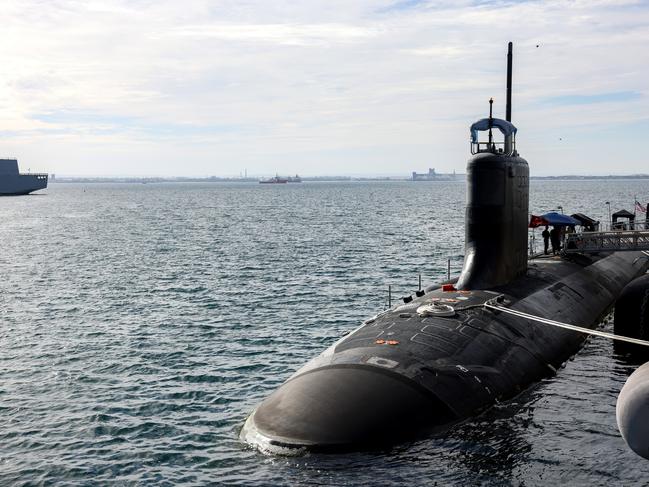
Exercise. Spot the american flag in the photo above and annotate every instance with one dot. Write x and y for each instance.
(640, 208)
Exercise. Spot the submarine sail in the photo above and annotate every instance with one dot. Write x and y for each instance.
(444, 356)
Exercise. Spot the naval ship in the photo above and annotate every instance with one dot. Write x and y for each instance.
(12, 182)
(454, 350)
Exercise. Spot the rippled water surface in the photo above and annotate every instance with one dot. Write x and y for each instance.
(140, 324)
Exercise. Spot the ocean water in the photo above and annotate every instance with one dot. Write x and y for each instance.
(140, 324)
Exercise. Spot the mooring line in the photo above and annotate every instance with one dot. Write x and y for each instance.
(567, 326)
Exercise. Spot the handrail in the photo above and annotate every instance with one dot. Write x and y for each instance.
(622, 226)
(492, 147)
(621, 235)
(609, 240)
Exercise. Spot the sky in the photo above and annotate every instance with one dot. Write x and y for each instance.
(336, 87)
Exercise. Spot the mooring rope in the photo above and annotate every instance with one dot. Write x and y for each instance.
(567, 326)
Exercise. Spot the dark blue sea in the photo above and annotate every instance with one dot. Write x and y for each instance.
(141, 323)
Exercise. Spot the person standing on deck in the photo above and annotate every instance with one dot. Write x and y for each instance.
(555, 240)
(546, 240)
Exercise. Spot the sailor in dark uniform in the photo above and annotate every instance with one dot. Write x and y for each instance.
(546, 240)
(555, 240)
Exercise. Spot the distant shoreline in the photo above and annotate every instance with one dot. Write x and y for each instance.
(214, 179)
(579, 178)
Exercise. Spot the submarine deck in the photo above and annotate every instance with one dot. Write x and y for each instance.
(500, 353)
(446, 367)
(541, 273)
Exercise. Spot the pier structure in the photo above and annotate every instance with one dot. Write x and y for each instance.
(635, 239)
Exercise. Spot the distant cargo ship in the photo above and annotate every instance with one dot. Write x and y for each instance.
(274, 180)
(280, 180)
(14, 183)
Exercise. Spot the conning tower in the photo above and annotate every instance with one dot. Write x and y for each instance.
(497, 204)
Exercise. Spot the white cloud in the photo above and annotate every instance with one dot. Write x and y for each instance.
(308, 86)
(281, 34)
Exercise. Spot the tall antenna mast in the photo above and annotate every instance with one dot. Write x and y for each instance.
(508, 115)
(491, 104)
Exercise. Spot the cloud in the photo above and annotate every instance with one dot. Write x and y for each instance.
(281, 34)
(402, 5)
(295, 86)
(578, 99)
(87, 122)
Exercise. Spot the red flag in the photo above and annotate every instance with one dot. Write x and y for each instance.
(537, 221)
(640, 208)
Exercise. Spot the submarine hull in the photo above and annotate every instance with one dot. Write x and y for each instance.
(445, 356)
(402, 375)
(344, 406)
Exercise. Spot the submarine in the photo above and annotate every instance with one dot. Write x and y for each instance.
(451, 352)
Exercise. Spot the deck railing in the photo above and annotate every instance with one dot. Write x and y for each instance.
(493, 147)
(37, 175)
(610, 237)
(635, 238)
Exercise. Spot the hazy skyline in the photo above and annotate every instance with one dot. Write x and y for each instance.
(199, 88)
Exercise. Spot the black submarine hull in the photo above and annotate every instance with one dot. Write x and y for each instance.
(402, 375)
(445, 356)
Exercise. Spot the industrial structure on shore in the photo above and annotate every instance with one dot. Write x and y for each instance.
(431, 175)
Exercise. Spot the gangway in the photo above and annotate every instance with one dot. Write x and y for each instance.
(635, 239)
